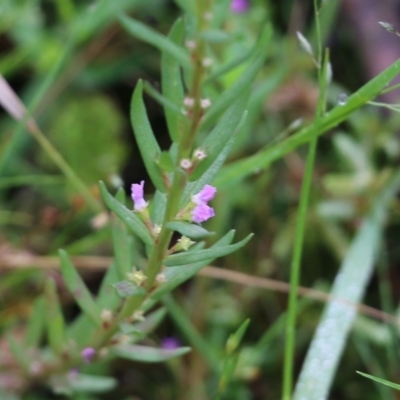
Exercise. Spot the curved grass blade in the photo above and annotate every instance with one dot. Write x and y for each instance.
(237, 171)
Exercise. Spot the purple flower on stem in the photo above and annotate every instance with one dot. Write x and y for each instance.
(87, 354)
(239, 6)
(170, 343)
(206, 194)
(139, 204)
(202, 211)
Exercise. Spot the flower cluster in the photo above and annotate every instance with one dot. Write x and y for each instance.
(200, 211)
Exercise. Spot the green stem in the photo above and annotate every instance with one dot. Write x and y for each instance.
(290, 336)
(295, 273)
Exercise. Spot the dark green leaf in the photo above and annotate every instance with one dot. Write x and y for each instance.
(128, 217)
(148, 146)
(190, 230)
(148, 354)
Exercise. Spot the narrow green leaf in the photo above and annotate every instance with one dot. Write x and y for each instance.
(36, 324)
(128, 217)
(380, 380)
(236, 337)
(83, 383)
(18, 351)
(171, 82)
(165, 162)
(147, 354)
(157, 209)
(327, 345)
(238, 170)
(120, 238)
(79, 331)
(128, 289)
(54, 319)
(213, 169)
(148, 146)
(177, 275)
(78, 289)
(243, 83)
(220, 135)
(207, 254)
(142, 32)
(192, 231)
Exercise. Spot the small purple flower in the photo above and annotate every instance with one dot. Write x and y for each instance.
(87, 354)
(137, 196)
(239, 6)
(170, 343)
(206, 194)
(202, 212)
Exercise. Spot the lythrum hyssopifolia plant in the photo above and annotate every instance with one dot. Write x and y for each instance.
(160, 241)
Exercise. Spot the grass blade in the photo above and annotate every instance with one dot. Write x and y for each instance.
(329, 340)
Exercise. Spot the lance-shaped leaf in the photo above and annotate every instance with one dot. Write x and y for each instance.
(36, 324)
(212, 171)
(78, 289)
(177, 275)
(79, 330)
(164, 44)
(55, 323)
(148, 146)
(171, 81)
(243, 83)
(192, 231)
(200, 255)
(380, 380)
(19, 352)
(220, 135)
(147, 354)
(120, 239)
(82, 383)
(127, 216)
